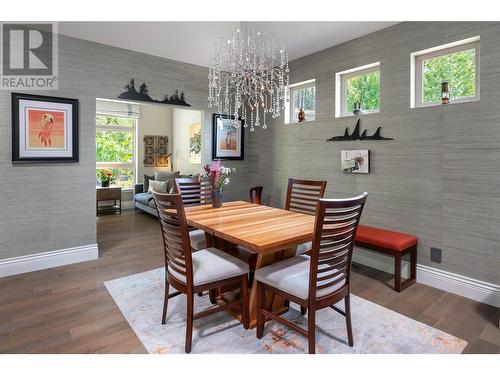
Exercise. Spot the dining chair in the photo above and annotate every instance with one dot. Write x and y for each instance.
(194, 272)
(322, 279)
(302, 197)
(193, 193)
(255, 194)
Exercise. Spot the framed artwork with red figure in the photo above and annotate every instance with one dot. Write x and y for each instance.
(44, 129)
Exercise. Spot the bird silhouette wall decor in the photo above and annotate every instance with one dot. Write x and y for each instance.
(143, 95)
(356, 136)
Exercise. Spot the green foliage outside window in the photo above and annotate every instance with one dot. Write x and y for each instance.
(114, 146)
(364, 89)
(456, 68)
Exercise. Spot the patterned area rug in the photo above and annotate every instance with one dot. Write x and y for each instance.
(376, 328)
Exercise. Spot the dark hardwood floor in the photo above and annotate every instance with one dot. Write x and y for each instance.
(68, 310)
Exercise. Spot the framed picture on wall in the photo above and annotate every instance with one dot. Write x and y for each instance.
(355, 161)
(195, 143)
(228, 137)
(44, 129)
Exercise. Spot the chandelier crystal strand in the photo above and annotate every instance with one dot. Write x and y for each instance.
(248, 78)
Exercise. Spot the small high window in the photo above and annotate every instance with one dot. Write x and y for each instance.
(358, 87)
(455, 63)
(302, 96)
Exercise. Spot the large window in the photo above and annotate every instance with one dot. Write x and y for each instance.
(456, 63)
(115, 140)
(301, 96)
(360, 85)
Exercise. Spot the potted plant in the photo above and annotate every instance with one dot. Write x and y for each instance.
(105, 177)
(218, 176)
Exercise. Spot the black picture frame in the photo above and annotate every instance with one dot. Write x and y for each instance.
(16, 157)
(215, 134)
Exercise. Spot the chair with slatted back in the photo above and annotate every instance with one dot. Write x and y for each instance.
(302, 196)
(322, 279)
(194, 272)
(193, 193)
(255, 194)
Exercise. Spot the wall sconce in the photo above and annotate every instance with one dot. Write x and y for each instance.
(445, 93)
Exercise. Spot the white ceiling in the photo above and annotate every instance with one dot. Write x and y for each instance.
(193, 42)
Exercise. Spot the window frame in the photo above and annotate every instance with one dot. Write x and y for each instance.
(289, 108)
(417, 63)
(120, 129)
(341, 88)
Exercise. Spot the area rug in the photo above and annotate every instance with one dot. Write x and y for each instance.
(376, 329)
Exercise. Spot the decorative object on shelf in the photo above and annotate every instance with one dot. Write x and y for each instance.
(301, 116)
(355, 161)
(217, 176)
(228, 137)
(195, 143)
(445, 93)
(143, 95)
(355, 136)
(105, 177)
(357, 108)
(44, 129)
(248, 78)
(156, 151)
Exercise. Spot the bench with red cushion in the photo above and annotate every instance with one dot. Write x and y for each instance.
(396, 244)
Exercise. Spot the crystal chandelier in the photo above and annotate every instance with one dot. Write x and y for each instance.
(248, 78)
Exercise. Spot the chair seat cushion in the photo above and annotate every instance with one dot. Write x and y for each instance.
(197, 239)
(143, 198)
(292, 276)
(384, 238)
(303, 247)
(211, 265)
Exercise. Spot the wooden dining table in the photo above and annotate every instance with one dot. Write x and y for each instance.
(272, 233)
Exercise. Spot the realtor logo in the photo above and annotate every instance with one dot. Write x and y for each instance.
(29, 56)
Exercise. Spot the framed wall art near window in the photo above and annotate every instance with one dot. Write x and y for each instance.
(44, 129)
(228, 137)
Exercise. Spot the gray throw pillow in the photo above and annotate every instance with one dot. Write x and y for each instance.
(145, 186)
(168, 177)
(158, 186)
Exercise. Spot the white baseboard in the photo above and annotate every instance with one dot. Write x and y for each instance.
(476, 290)
(49, 259)
(450, 282)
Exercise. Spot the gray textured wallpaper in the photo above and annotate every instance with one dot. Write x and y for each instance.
(439, 179)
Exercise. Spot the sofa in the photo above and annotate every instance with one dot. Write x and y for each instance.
(143, 200)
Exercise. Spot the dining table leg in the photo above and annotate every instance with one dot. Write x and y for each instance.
(272, 302)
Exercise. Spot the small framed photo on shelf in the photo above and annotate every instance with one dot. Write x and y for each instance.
(355, 161)
(228, 137)
(44, 129)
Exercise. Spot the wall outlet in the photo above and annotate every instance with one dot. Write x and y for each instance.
(435, 255)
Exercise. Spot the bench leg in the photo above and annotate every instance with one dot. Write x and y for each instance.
(397, 272)
(413, 263)
(402, 285)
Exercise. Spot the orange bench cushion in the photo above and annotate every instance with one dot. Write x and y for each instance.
(385, 238)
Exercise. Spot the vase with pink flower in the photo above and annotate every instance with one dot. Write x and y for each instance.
(217, 176)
